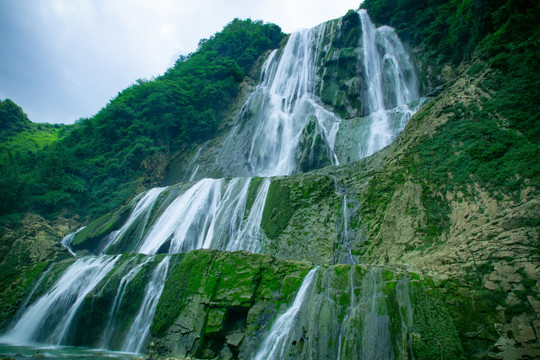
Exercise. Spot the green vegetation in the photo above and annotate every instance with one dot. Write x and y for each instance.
(435, 335)
(31, 139)
(99, 162)
(19, 136)
(473, 146)
(12, 119)
(277, 209)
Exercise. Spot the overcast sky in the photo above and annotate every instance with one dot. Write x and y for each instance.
(61, 60)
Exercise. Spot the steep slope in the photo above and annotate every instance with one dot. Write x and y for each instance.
(426, 249)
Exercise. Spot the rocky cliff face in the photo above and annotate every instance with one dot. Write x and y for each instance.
(401, 263)
(221, 305)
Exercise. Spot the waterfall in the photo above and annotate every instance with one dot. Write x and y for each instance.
(140, 329)
(352, 261)
(275, 343)
(375, 328)
(66, 241)
(391, 84)
(205, 216)
(343, 251)
(367, 326)
(139, 215)
(248, 238)
(346, 324)
(124, 283)
(48, 319)
(404, 301)
(30, 294)
(265, 141)
(193, 168)
(279, 109)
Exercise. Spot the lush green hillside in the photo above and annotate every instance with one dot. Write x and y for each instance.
(99, 162)
(12, 119)
(21, 136)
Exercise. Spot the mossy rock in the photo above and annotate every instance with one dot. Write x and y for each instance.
(92, 236)
(277, 210)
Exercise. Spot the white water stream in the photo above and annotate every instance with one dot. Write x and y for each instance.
(140, 329)
(391, 89)
(66, 241)
(275, 343)
(49, 318)
(111, 321)
(139, 217)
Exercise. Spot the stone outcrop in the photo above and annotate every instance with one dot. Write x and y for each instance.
(25, 252)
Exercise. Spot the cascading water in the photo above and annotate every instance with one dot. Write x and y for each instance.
(111, 321)
(31, 294)
(140, 328)
(191, 171)
(66, 241)
(49, 318)
(207, 215)
(248, 237)
(404, 301)
(375, 331)
(281, 129)
(375, 323)
(391, 82)
(138, 216)
(279, 110)
(275, 343)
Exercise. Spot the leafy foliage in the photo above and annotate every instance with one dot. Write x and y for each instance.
(99, 161)
(12, 119)
(472, 146)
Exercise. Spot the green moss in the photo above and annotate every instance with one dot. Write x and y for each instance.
(171, 301)
(390, 286)
(350, 31)
(91, 236)
(387, 274)
(328, 92)
(252, 194)
(414, 276)
(32, 274)
(435, 334)
(277, 210)
(212, 288)
(344, 299)
(215, 319)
